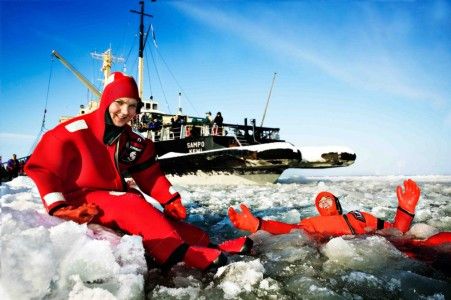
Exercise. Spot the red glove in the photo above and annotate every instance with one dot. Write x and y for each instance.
(407, 202)
(244, 220)
(81, 214)
(175, 209)
(408, 199)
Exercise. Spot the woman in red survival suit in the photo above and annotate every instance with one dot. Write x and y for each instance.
(79, 168)
(332, 222)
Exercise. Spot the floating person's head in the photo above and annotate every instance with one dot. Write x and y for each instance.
(327, 204)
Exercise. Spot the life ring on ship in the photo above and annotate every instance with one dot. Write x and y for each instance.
(187, 131)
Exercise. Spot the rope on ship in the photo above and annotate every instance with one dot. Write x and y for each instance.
(175, 79)
(158, 76)
(157, 50)
(43, 128)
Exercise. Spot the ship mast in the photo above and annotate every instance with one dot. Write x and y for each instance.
(141, 47)
(107, 58)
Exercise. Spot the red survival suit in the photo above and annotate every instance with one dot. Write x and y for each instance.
(354, 222)
(82, 161)
(332, 221)
(436, 250)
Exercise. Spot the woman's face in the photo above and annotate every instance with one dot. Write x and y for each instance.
(122, 110)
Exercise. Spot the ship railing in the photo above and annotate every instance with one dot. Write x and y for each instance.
(168, 132)
(205, 130)
(244, 134)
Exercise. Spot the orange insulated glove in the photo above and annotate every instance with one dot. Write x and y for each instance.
(81, 214)
(408, 198)
(407, 202)
(244, 220)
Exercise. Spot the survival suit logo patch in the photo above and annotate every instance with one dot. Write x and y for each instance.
(358, 215)
(131, 152)
(132, 156)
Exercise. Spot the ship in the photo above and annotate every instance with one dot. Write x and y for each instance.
(193, 145)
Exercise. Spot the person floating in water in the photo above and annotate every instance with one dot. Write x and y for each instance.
(332, 222)
(79, 168)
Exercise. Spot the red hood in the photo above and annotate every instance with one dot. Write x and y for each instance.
(118, 85)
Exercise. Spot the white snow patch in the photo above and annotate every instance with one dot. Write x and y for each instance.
(423, 231)
(239, 277)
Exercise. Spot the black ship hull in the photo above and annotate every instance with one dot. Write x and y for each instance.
(208, 154)
(262, 162)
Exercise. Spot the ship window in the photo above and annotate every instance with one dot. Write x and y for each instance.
(147, 105)
(154, 106)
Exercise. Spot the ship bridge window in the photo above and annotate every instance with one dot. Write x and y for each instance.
(147, 105)
(154, 106)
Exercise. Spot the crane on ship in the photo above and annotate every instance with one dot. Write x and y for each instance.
(107, 60)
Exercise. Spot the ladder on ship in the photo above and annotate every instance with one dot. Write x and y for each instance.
(242, 140)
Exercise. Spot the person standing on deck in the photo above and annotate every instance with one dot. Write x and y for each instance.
(217, 124)
(13, 167)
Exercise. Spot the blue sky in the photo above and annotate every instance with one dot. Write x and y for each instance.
(370, 75)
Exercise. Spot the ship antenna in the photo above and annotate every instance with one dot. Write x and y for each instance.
(141, 47)
(180, 107)
(269, 97)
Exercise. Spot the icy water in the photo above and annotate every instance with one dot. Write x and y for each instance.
(73, 265)
(293, 266)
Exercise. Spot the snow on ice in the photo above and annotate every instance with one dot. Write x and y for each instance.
(43, 257)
